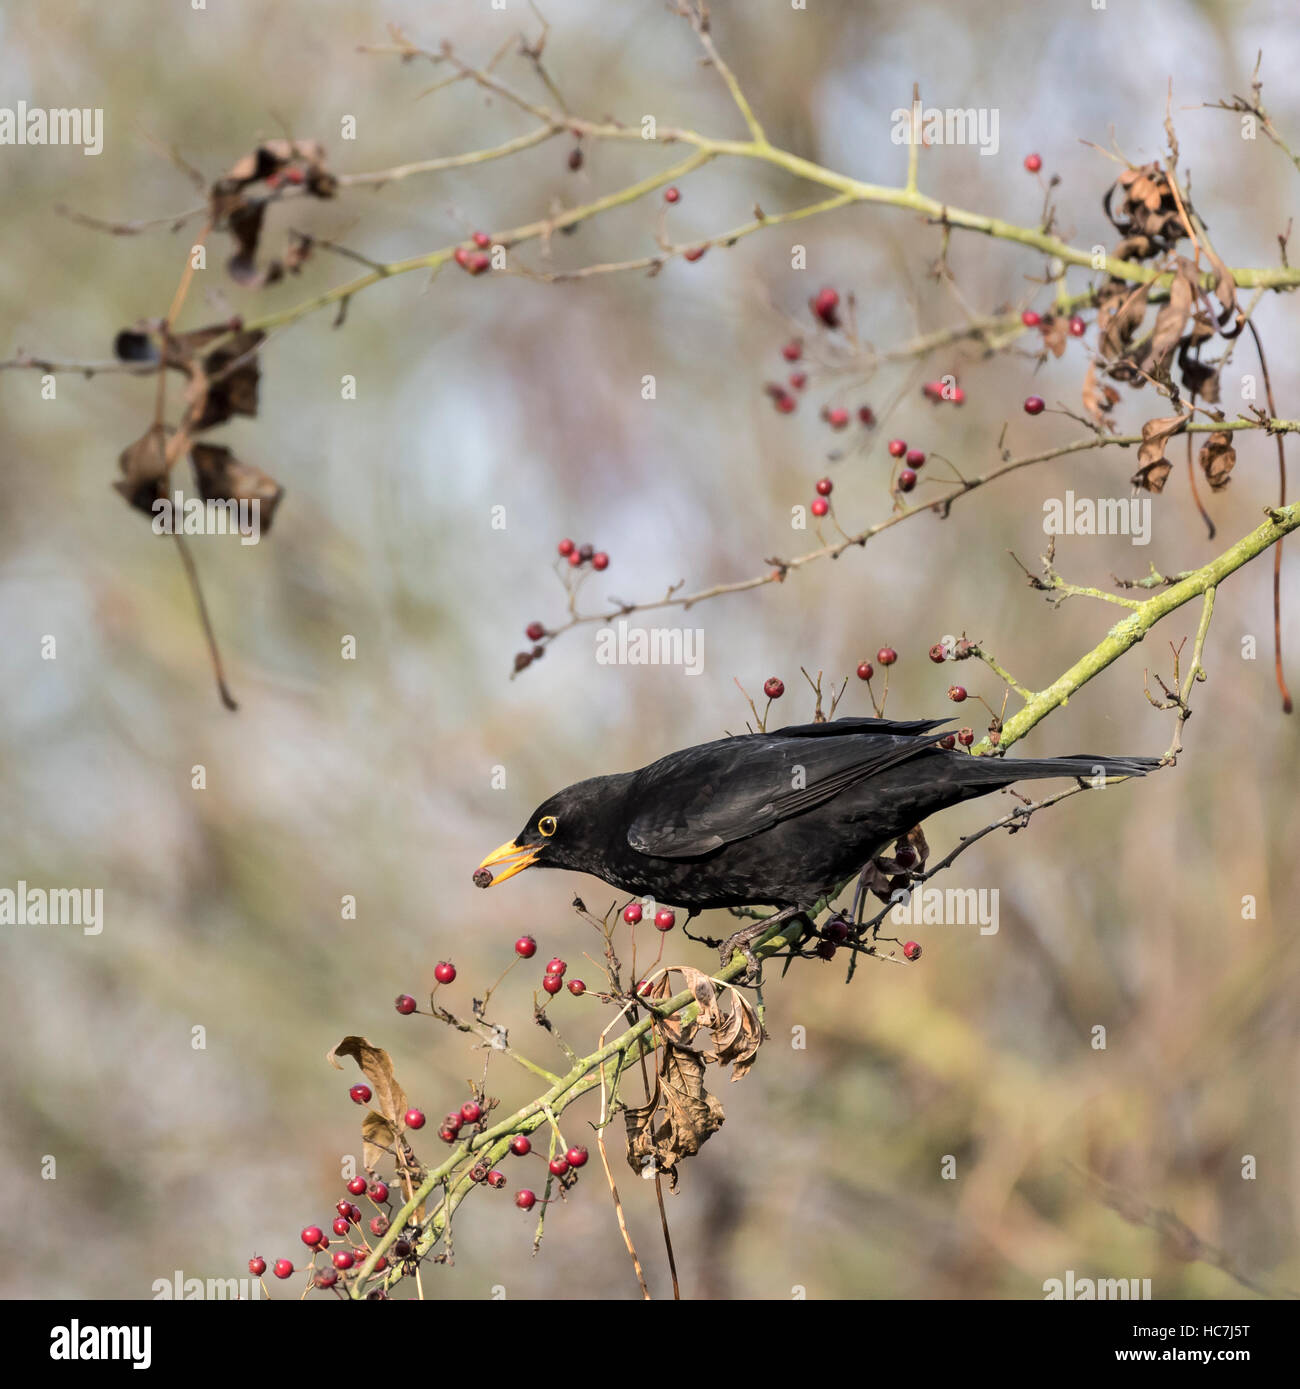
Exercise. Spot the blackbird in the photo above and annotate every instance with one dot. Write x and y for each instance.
(766, 819)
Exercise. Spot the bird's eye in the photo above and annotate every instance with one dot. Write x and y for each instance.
(547, 825)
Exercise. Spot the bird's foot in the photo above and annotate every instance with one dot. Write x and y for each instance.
(742, 941)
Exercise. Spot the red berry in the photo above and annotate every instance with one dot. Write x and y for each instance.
(414, 1119)
(966, 737)
(886, 655)
(958, 395)
(356, 1186)
(342, 1259)
(785, 403)
(344, 1207)
(525, 1199)
(820, 506)
(897, 448)
(312, 1236)
(632, 913)
(866, 414)
(912, 950)
(360, 1094)
(447, 1133)
(566, 547)
(956, 693)
(1031, 319)
(695, 252)
(1034, 405)
(906, 480)
(798, 379)
(1033, 162)
(525, 947)
(444, 972)
(404, 1004)
(600, 560)
(556, 966)
(534, 631)
(520, 1145)
(773, 688)
(496, 1179)
(793, 350)
(378, 1225)
(671, 195)
(552, 983)
(478, 263)
(558, 1166)
(453, 1121)
(461, 257)
(948, 741)
(381, 1263)
(283, 1268)
(577, 1157)
(837, 418)
(933, 390)
(665, 919)
(825, 487)
(575, 559)
(482, 240)
(1076, 326)
(866, 670)
(257, 1266)
(577, 988)
(915, 458)
(378, 1193)
(471, 1111)
(342, 1225)
(643, 987)
(826, 307)
(937, 653)
(355, 1214)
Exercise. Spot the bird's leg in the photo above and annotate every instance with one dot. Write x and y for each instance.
(742, 938)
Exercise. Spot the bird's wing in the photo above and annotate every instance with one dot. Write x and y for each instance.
(698, 800)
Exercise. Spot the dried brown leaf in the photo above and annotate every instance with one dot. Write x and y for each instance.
(377, 1067)
(1218, 458)
(691, 1115)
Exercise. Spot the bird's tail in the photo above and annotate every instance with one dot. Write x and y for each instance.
(1003, 771)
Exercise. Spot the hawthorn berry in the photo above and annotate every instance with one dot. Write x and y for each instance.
(575, 559)
(566, 547)
(342, 1259)
(556, 965)
(905, 856)
(453, 1121)
(632, 913)
(912, 950)
(552, 983)
(576, 1157)
(360, 1094)
(865, 670)
(534, 631)
(915, 457)
(1031, 319)
(836, 930)
(897, 448)
(906, 480)
(886, 655)
(521, 1145)
(825, 305)
(825, 487)
(482, 240)
(695, 252)
(478, 263)
(837, 418)
(585, 552)
(798, 380)
(825, 949)
(577, 988)
(283, 1268)
(966, 737)
(378, 1225)
(525, 1199)
(525, 947)
(447, 1133)
(958, 396)
(325, 1279)
(948, 741)
(1076, 326)
(405, 1004)
(471, 1111)
(312, 1236)
(672, 195)
(402, 1248)
(1034, 405)
(496, 1180)
(444, 972)
(356, 1186)
(1033, 162)
(343, 1207)
(956, 693)
(558, 1166)
(773, 688)
(793, 350)
(381, 1263)
(820, 506)
(600, 560)
(257, 1266)
(341, 1226)
(866, 414)
(784, 402)
(414, 1119)
(378, 1192)
(461, 257)
(665, 919)
(937, 653)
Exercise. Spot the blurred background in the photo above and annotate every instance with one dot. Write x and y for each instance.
(374, 777)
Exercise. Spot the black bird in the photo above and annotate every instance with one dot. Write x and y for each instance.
(766, 819)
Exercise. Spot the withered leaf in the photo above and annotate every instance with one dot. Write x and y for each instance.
(1171, 322)
(226, 383)
(691, 1115)
(378, 1140)
(737, 1038)
(706, 998)
(1097, 398)
(1199, 378)
(144, 468)
(377, 1067)
(1153, 476)
(1156, 433)
(222, 477)
(1054, 335)
(1218, 458)
(1124, 322)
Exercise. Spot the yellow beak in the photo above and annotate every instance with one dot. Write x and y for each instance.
(517, 857)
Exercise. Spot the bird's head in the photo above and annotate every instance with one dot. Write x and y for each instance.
(563, 832)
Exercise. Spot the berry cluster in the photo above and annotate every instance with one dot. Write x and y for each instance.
(477, 261)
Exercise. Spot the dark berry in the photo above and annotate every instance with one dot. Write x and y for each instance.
(558, 1166)
(956, 693)
(356, 1186)
(360, 1094)
(915, 457)
(1034, 405)
(825, 949)
(665, 919)
(866, 414)
(577, 988)
(966, 737)
(905, 856)
(886, 655)
(948, 741)
(773, 688)
(865, 670)
(906, 480)
(534, 631)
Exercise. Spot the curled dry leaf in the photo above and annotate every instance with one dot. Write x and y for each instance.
(737, 1032)
(144, 468)
(225, 382)
(691, 1115)
(1171, 322)
(377, 1067)
(1154, 473)
(221, 477)
(1218, 458)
